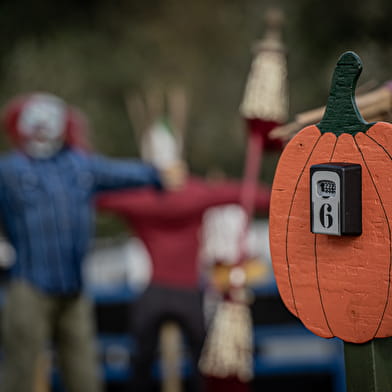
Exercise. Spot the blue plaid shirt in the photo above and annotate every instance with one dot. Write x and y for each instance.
(47, 213)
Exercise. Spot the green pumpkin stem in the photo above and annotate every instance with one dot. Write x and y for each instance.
(341, 114)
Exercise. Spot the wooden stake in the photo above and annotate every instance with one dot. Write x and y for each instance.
(170, 342)
(369, 366)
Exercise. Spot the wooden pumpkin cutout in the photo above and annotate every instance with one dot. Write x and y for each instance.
(337, 285)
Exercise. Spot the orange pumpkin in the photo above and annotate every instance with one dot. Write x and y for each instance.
(337, 285)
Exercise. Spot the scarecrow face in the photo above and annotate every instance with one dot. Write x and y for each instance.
(42, 126)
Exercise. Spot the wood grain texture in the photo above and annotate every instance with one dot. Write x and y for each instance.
(300, 252)
(368, 366)
(353, 272)
(291, 164)
(337, 285)
(375, 147)
(341, 113)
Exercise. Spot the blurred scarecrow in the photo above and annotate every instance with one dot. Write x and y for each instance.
(228, 353)
(169, 224)
(46, 188)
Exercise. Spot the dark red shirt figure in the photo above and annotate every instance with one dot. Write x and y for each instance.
(169, 224)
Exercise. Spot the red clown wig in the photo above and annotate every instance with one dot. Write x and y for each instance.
(76, 124)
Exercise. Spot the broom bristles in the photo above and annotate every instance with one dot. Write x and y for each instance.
(228, 349)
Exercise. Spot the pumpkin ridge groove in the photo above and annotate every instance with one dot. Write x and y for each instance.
(380, 145)
(390, 244)
(288, 221)
(318, 284)
(316, 260)
(333, 150)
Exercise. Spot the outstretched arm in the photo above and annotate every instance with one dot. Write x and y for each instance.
(139, 203)
(185, 202)
(118, 174)
(148, 203)
(227, 192)
(189, 201)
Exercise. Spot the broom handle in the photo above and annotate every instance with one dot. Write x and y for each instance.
(254, 156)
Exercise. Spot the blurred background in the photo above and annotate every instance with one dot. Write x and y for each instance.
(94, 52)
